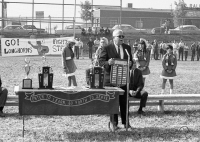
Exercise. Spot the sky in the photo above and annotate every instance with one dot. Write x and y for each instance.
(25, 10)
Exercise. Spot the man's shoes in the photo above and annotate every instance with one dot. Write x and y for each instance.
(2, 114)
(140, 112)
(112, 127)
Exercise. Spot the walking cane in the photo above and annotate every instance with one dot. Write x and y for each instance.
(127, 93)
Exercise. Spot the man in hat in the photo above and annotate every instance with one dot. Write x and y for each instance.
(42, 50)
(3, 98)
(116, 50)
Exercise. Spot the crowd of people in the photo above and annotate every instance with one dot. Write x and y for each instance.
(141, 53)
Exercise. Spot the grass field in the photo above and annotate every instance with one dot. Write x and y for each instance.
(178, 123)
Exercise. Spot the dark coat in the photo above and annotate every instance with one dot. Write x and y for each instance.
(109, 52)
(136, 80)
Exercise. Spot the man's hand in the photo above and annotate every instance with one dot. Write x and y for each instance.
(111, 61)
(132, 93)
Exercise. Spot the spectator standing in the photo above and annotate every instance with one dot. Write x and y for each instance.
(198, 51)
(83, 32)
(181, 49)
(142, 58)
(107, 32)
(149, 47)
(152, 52)
(90, 45)
(161, 49)
(96, 32)
(96, 44)
(193, 48)
(76, 48)
(102, 31)
(155, 46)
(135, 46)
(89, 31)
(186, 50)
(81, 47)
(3, 98)
(169, 63)
(175, 48)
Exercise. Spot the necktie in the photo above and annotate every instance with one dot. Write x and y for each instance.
(119, 52)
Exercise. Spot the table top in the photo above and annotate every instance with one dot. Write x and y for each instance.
(77, 89)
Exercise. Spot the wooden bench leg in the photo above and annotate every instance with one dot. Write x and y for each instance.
(161, 106)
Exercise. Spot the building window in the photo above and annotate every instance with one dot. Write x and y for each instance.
(139, 24)
(113, 23)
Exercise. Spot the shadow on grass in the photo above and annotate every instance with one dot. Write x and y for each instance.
(137, 134)
(189, 113)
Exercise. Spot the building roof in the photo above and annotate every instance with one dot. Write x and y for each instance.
(133, 9)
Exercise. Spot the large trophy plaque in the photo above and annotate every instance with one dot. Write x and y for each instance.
(27, 82)
(118, 75)
(45, 78)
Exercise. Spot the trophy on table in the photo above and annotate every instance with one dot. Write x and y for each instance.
(27, 82)
(45, 76)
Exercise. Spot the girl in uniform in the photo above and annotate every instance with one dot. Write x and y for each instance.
(68, 64)
(142, 58)
(169, 63)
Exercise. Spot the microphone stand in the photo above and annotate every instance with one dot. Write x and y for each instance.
(127, 93)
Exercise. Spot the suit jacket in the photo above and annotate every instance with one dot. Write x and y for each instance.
(109, 52)
(136, 80)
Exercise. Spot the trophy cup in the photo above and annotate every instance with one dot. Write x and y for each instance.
(46, 76)
(27, 82)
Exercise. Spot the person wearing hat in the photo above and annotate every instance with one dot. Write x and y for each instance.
(116, 50)
(142, 58)
(42, 50)
(3, 98)
(68, 64)
(169, 63)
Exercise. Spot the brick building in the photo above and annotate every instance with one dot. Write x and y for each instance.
(146, 18)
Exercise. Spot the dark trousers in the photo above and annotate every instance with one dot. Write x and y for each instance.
(76, 50)
(3, 97)
(193, 55)
(90, 52)
(186, 55)
(180, 53)
(143, 95)
(198, 55)
(156, 54)
(122, 104)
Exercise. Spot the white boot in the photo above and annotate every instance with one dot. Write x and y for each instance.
(162, 91)
(171, 91)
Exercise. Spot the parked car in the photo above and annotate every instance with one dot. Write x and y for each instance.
(185, 29)
(128, 29)
(158, 30)
(17, 30)
(70, 30)
(30, 27)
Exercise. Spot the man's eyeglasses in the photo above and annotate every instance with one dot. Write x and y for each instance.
(120, 36)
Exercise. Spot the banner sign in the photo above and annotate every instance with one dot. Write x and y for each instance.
(65, 102)
(23, 47)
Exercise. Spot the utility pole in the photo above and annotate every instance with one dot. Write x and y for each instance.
(62, 17)
(2, 20)
(74, 19)
(32, 14)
